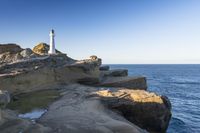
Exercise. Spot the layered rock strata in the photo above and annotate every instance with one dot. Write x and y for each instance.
(123, 105)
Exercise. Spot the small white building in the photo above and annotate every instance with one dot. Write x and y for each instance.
(52, 49)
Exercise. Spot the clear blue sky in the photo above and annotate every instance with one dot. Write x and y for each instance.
(118, 31)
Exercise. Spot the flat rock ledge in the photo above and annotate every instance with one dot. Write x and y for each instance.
(80, 110)
(114, 72)
(147, 110)
(127, 82)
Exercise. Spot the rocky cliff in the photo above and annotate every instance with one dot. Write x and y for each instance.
(91, 98)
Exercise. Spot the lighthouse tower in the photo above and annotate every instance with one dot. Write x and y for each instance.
(52, 43)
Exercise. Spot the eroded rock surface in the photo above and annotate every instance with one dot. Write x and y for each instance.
(4, 98)
(47, 71)
(79, 111)
(115, 73)
(127, 82)
(12, 48)
(147, 110)
(104, 68)
(10, 53)
(11, 123)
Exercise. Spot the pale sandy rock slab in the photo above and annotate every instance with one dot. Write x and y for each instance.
(78, 112)
(115, 73)
(147, 110)
(127, 82)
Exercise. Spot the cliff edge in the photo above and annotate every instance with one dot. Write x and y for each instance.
(85, 96)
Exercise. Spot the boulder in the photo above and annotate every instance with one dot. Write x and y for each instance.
(42, 49)
(26, 53)
(104, 68)
(147, 110)
(11, 48)
(115, 73)
(10, 53)
(93, 57)
(127, 82)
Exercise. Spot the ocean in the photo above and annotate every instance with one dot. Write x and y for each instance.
(181, 84)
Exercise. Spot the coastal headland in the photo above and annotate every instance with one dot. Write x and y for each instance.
(78, 96)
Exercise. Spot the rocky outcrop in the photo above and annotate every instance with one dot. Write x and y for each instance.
(147, 110)
(12, 53)
(79, 111)
(127, 82)
(42, 49)
(104, 68)
(7, 57)
(42, 72)
(26, 53)
(93, 57)
(11, 48)
(9, 53)
(115, 73)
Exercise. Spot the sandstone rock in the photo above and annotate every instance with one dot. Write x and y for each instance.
(115, 73)
(26, 53)
(104, 68)
(7, 57)
(42, 49)
(77, 112)
(147, 110)
(81, 109)
(11, 53)
(93, 57)
(11, 123)
(127, 82)
(88, 80)
(47, 71)
(4, 98)
(11, 48)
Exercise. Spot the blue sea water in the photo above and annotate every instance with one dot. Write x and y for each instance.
(181, 84)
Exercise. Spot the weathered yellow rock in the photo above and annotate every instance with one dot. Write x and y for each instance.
(134, 95)
(145, 109)
(42, 49)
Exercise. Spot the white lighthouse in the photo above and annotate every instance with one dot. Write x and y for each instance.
(52, 43)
